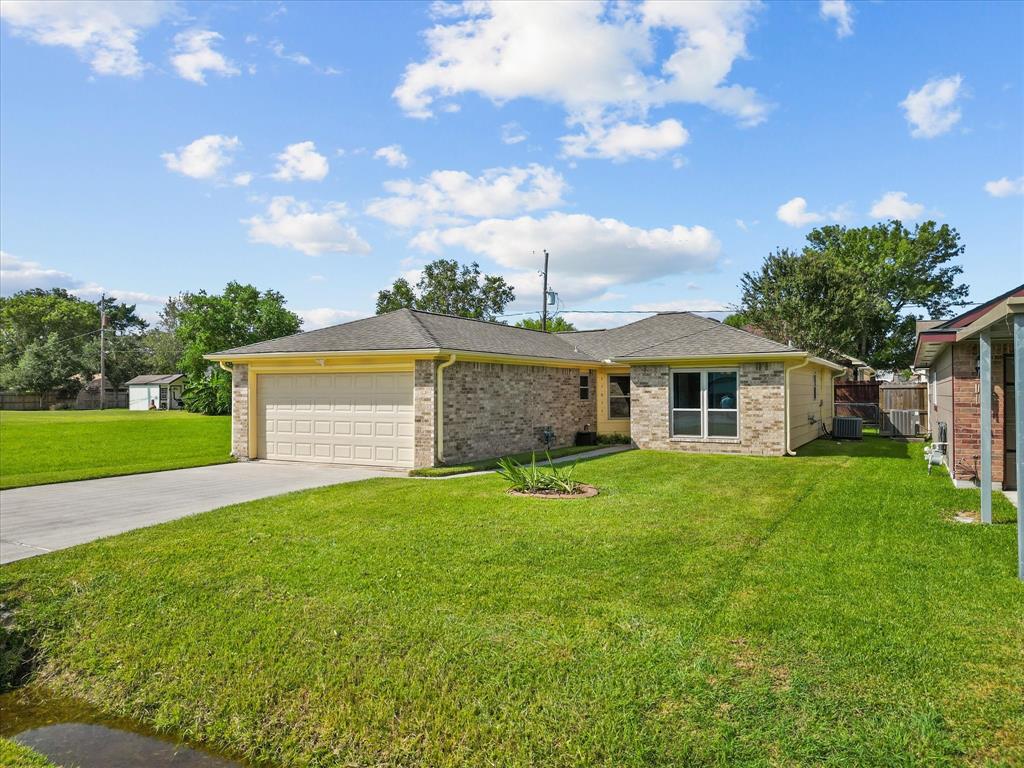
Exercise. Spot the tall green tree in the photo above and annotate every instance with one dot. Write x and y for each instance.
(45, 365)
(33, 319)
(557, 324)
(857, 290)
(205, 323)
(737, 320)
(451, 289)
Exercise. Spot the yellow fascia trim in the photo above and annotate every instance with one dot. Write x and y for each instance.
(499, 359)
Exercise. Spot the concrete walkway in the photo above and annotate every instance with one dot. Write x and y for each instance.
(43, 518)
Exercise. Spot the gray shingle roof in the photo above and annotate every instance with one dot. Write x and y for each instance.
(412, 329)
(671, 334)
(155, 378)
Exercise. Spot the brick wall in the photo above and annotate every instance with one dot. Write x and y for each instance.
(762, 412)
(423, 408)
(966, 428)
(492, 409)
(240, 411)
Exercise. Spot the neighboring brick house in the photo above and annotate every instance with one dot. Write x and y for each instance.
(951, 352)
(415, 389)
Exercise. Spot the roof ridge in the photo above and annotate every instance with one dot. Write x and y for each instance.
(665, 341)
(422, 327)
(478, 320)
(755, 335)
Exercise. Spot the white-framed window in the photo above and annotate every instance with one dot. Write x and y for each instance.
(618, 396)
(933, 386)
(705, 403)
(814, 386)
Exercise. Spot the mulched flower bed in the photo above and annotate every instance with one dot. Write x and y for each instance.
(585, 492)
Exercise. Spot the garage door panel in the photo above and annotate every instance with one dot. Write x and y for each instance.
(355, 418)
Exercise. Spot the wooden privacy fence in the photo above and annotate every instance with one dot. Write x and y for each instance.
(904, 409)
(858, 398)
(85, 400)
(897, 408)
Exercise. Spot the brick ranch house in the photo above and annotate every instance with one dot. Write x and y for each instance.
(959, 355)
(417, 389)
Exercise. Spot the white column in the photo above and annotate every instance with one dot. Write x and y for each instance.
(985, 352)
(1018, 401)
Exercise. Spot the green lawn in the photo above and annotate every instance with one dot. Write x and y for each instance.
(13, 755)
(482, 464)
(703, 610)
(55, 446)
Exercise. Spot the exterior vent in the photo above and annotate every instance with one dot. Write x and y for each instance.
(847, 428)
(900, 424)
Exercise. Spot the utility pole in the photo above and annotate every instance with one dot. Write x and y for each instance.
(103, 350)
(544, 296)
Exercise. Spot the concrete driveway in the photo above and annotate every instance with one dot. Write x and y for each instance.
(43, 518)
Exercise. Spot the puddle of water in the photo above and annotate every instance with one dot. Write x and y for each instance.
(71, 733)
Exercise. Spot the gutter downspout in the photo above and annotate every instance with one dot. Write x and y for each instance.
(230, 369)
(439, 408)
(833, 380)
(788, 430)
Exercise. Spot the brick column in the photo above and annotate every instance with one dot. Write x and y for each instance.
(240, 412)
(423, 396)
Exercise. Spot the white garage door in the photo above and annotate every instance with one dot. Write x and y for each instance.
(342, 418)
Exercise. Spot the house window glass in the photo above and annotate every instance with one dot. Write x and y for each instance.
(584, 387)
(618, 397)
(686, 403)
(705, 404)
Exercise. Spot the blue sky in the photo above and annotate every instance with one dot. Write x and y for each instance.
(656, 151)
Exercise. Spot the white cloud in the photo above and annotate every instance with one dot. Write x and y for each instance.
(599, 62)
(794, 212)
(93, 292)
(18, 274)
(277, 48)
(931, 110)
(589, 256)
(289, 223)
(839, 11)
(392, 155)
(194, 56)
(204, 158)
(513, 133)
(894, 205)
(242, 179)
(321, 317)
(301, 161)
(103, 33)
(1005, 187)
(623, 141)
(447, 197)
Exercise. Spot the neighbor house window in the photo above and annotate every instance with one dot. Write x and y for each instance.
(618, 397)
(584, 387)
(705, 404)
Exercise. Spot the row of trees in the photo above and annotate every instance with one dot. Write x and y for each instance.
(850, 290)
(49, 340)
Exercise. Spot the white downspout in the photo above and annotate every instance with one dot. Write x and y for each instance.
(230, 369)
(788, 430)
(439, 408)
